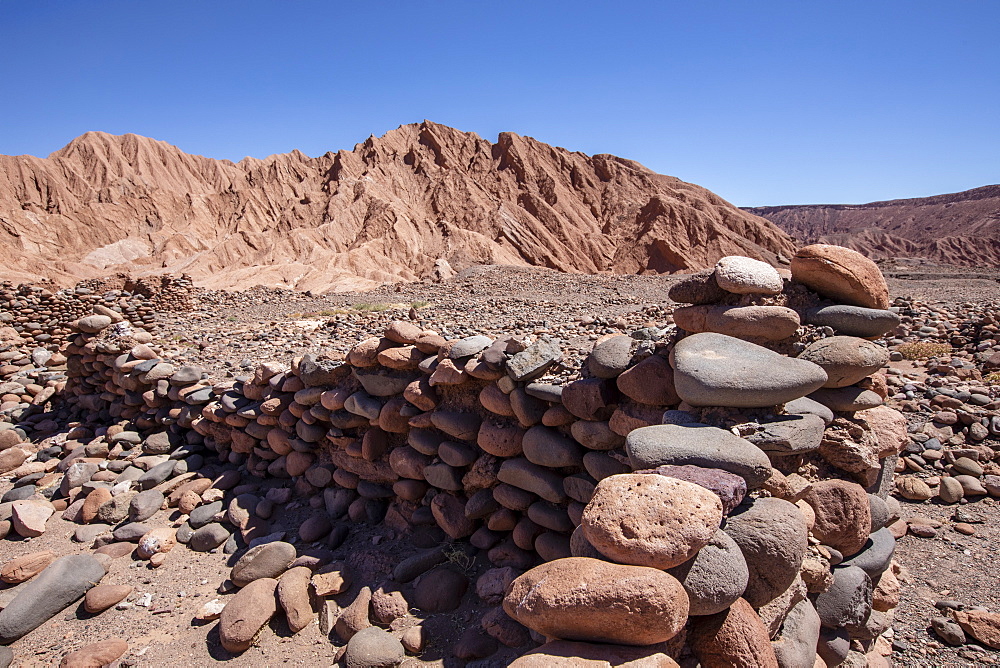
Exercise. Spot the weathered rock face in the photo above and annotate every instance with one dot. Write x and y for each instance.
(389, 210)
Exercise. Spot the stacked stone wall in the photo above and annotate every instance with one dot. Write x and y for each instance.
(411, 429)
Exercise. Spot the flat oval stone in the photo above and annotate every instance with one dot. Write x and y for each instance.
(699, 288)
(568, 654)
(746, 276)
(263, 561)
(102, 653)
(789, 435)
(773, 323)
(807, 406)
(579, 598)
(469, 346)
(715, 577)
(698, 445)
(718, 370)
(853, 320)
(847, 399)
(846, 359)
(549, 447)
(650, 520)
(876, 554)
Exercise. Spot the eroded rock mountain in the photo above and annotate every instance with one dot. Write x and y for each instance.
(390, 210)
(959, 228)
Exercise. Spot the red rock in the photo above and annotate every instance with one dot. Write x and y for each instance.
(293, 594)
(449, 513)
(94, 500)
(103, 596)
(651, 381)
(29, 517)
(566, 654)
(735, 638)
(981, 625)
(841, 274)
(246, 613)
(26, 567)
(96, 654)
(579, 598)
(843, 514)
(651, 520)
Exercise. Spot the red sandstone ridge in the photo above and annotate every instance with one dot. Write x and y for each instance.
(387, 211)
(960, 228)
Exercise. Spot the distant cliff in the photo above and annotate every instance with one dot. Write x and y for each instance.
(387, 211)
(960, 228)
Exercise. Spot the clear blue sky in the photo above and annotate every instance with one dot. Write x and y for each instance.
(763, 102)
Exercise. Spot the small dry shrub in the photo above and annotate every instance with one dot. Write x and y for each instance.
(921, 350)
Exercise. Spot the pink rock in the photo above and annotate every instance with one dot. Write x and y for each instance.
(29, 517)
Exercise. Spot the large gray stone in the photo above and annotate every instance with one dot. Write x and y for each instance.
(698, 445)
(773, 537)
(264, 561)
(847, 399)
(469, 346)
(612, 356)
(846, 359)
(715, 577)
(717, 370)
(807, 406)
(876, 555)
(853, 320)
(535, 361)
(848, 601)
(792, 435)
(796, 644)
(65, 580)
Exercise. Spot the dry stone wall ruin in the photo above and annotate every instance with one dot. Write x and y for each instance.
(712, 492)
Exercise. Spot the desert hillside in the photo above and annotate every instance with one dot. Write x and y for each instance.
(399, 207)
(959, 228)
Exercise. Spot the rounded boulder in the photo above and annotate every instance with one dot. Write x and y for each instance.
(846, 359)
(650, 520)
(841, 274)
(578, 598)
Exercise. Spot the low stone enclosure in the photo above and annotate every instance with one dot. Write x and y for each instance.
(713, 493)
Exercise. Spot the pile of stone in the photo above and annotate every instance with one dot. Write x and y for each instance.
(728, 547)
(715, 491)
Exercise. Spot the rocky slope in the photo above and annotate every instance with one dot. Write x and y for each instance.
(390, 210)
(959, 228)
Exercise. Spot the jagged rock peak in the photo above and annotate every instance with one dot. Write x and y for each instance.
(386, 211)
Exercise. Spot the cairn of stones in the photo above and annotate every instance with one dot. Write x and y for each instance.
(712, 493)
